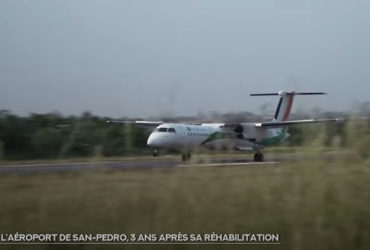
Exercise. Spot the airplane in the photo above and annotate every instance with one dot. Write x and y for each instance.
(239, 136)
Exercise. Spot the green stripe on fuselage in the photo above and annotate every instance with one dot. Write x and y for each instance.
(214, 136)
(275, 139)
(265, 142)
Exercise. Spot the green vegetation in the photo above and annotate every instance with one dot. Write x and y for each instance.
(322, 203)
(52, 136)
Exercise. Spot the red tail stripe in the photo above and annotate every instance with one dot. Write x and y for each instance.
(288, 108)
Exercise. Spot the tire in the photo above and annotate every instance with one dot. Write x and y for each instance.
(258, 157)
(183, 157)
(155, 153)
(186, 157)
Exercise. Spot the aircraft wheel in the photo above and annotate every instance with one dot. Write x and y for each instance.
(186, 157)
(258, 157)
(155, 152)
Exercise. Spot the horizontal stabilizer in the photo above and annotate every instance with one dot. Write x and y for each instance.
(284, 93)
(264, 94)
(295, 122)
(139, 123)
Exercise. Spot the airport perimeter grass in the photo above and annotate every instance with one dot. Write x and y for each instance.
(323, 203)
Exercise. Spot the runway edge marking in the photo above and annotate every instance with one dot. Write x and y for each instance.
(226, 164)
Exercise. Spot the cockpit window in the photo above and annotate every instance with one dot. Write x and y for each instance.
(162, 130)
(172, 130)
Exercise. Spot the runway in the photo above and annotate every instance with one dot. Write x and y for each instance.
(25, 169)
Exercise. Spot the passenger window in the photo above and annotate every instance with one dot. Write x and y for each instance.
(172, 130)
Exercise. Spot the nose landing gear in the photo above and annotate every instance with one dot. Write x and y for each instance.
(155, 152)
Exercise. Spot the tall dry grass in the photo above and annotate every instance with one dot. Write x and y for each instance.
(316, 203)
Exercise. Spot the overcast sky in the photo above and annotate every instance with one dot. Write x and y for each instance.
(147, 58)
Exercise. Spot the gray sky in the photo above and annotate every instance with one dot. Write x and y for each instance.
(144, 58)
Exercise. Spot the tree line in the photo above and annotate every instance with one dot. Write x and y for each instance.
(57, 136)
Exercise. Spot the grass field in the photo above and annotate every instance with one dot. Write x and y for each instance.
(323, 203)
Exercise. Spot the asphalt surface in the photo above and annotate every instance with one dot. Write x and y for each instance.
(118, 165)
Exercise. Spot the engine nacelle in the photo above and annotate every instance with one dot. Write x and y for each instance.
(239, 129)
(250, 131)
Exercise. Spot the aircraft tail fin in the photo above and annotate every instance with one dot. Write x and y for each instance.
(285, 102)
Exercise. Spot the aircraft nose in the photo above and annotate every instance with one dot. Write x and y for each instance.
(153, 141)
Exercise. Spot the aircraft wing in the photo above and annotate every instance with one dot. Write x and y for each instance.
(295, 122)
(139, 123)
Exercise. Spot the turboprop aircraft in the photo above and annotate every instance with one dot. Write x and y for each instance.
(239, 136)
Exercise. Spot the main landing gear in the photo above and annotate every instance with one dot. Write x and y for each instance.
(186, 157)
(258, 157)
